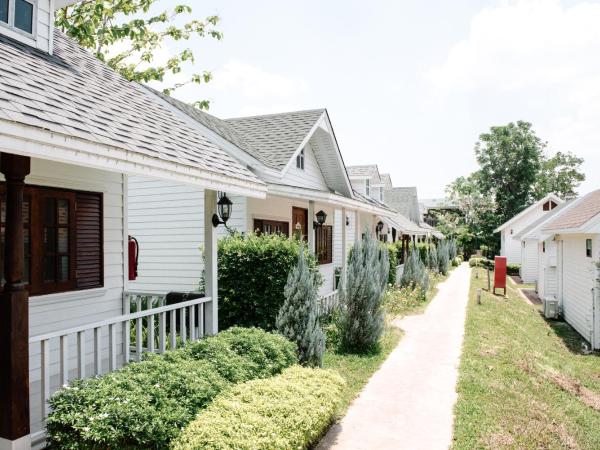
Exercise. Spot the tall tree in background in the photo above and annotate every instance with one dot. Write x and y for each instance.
(126, 35)
(559, 174)
(510, 159)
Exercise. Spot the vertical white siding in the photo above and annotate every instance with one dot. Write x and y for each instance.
(311, 177)
(510, 247)
(529, 260)
(577, 277)
(49, 313)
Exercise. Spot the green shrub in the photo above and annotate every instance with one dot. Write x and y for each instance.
(298, 318)
(415, 273)
(432, 260)
(393, 257)
(145, 405)
(362, 319)
(253, 271)
(443, 257)
(513, 269)
(290, 411)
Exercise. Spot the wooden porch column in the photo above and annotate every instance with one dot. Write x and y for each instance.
(211, 314)
(14, 311)
(311, 228)
(344, 257)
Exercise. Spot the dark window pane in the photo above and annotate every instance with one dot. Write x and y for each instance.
(3, 211)
(26, 202)
(4, 11)
(49, 269)
(49, 211)
(26, 241)
(49, 240)
(63, 240)
(63, 269)
(24, 16)
(63, 212)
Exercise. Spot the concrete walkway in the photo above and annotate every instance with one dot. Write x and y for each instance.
(408, 403)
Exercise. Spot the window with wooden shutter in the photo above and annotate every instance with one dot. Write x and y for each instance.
(89, 273)
(63, 239)
(324, 244)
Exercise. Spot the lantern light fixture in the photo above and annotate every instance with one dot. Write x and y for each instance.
(379, 226)
(321, 218)
(224, 208)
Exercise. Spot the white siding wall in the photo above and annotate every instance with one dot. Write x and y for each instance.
(529, 260)
(547, 273)
(42, 28)
(54, 312)
(311, 177)
(511, 247)
(577, 275)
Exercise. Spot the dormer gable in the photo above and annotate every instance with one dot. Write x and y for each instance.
(30, 22)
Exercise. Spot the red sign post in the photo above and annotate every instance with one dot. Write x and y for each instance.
(500, 273)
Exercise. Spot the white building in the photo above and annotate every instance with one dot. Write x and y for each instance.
(296, 154)
(71, 133)
(577, 236)
(509, 245)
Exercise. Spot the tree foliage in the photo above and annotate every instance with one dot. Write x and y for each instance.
(559, 174)
(127, 34)
(298, 318)
(362, 319)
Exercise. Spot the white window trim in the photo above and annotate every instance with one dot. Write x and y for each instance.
(11, 20)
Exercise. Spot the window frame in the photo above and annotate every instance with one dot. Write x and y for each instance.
(300, 160)
(259, 224)
(36, 285)
(11, 19)
(589, 248)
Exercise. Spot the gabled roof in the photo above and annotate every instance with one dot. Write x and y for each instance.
(534, 231)
(364, 171)
(275, 138)
(386, 179)
(527, 210)
(438, 203)
(405, 201)
(581, 213)
(73, 94)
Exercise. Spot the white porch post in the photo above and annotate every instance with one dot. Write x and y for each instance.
(311, 230)
(211, 322)
(357, 229)
(344, 257)
(374, 226)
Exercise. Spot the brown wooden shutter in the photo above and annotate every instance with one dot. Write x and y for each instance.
(329, 243)
(90, 256)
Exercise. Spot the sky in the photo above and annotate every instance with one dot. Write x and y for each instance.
(410, 85)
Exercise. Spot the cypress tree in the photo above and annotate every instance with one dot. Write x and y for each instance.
(362, 318)
(298, 318)
(443, 257)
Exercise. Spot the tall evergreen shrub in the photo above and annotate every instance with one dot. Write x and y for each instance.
(393, 257)
(452, 249)
(415, 273)
(433, 260)
(362, 319)
(443, 257)
(298, 318)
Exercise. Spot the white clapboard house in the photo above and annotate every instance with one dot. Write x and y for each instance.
(576, 232)
(296, 155)
(510, 245)
(71, 133)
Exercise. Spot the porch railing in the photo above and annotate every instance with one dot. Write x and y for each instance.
(328, 303)
(147, 327)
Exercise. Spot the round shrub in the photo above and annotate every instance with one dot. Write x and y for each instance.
(253, 271)
(290, 411)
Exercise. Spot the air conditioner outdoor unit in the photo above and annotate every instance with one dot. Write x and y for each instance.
(550, 308)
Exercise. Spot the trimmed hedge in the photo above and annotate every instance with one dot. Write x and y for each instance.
(511, 269)
(145, 405)
(253, 271)
(393, 257)
(289, 411)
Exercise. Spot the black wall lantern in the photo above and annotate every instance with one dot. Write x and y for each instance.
(321, 218)
(347, 221)
(224, 210)
(379, 226)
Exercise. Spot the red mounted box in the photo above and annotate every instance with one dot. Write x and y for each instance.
(500, 273)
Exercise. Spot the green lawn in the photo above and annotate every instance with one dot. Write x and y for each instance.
(524, 383)
(357, 369)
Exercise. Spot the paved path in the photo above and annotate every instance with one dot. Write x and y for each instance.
(409, 401)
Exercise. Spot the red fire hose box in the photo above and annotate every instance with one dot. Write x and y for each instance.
(500, 273)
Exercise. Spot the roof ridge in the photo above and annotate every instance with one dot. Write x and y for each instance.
(276, 114)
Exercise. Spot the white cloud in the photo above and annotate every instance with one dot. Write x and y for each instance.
(535, 59)
(255, 83)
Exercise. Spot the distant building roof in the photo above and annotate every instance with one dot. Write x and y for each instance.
(577, 215)
(405, 201)
(386, 179)
(438, 203)
(370, 171)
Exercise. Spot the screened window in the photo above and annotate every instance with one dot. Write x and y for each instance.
(324, 244)
(588, 248)
(19, 14)
(62, 239)
(300, 160)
